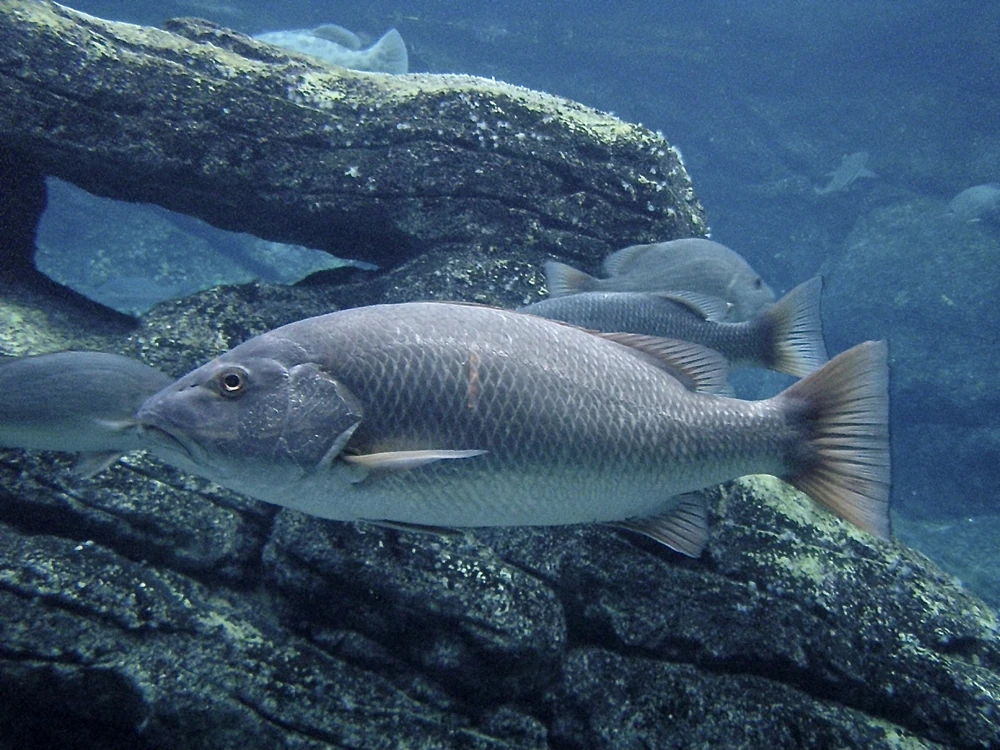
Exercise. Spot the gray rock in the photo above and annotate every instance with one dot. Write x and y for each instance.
(608, 700)
(302, 153)
(140, 508)
(485, 616)
(927, 284)
(127, 655)
(787, 597)
(146, 609)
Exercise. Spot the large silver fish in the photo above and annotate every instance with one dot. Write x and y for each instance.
(787, 337)
(338, 46)
(461, 416)
(693, 264)
(79, 402)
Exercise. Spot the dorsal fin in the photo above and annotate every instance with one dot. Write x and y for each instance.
(338, 35)
(705, 306)
(619, 261)
(697, 367)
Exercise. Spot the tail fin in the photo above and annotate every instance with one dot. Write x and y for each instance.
(563, 280)
(795, 340)
(388, 54)
(843, 410)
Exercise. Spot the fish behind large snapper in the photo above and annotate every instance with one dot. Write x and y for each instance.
(693, 264)
(79, 402)
(786, 337)
(457, 415)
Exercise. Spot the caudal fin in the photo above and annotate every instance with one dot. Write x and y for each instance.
(388, 54)
(563, 280)
(795, 330)
(843, 412)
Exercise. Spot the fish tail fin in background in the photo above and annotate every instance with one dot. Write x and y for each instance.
(388, 54)
(563, 280)
(794, 330)
(843, 412)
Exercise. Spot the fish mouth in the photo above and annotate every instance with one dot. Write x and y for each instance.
(165, 438)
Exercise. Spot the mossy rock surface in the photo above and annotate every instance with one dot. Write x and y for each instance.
(214, 124)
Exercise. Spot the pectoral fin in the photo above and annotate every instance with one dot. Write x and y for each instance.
(89, 464)
(683, 528)
(337, 446)
(403, 460)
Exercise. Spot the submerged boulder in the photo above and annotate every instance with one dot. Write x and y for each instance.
(926, 282)
(146, 609)
(251, 138)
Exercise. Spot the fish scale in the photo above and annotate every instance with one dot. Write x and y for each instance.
(458, 415)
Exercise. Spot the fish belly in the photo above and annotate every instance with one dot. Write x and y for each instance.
(450, 494)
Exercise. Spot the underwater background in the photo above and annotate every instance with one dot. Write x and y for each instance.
(764, 100)
(144, 607)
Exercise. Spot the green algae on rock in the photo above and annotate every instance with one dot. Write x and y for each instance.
(587, 637)
(251, 138)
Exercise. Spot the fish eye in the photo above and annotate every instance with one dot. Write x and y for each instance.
(232, 382)
(758, 283)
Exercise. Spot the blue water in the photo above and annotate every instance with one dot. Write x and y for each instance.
(764, 99)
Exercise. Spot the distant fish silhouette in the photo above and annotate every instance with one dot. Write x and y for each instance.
(338, 46)
(852, 167)
(976, 203)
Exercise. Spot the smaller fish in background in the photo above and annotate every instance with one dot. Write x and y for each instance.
(852, 167)
(338, 46)
(77, 402)
(976, 203)
(692, 264)
(787, 337)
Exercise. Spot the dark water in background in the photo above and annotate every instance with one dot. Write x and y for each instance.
(764, 99)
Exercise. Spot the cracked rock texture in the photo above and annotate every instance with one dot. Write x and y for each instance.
(145, 609)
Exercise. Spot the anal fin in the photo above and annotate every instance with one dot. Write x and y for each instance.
(683, 528)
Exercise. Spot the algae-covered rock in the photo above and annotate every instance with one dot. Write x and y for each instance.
(143, 608)
(101, 651)
(251, 138)
(146, 608)
(794, 629)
